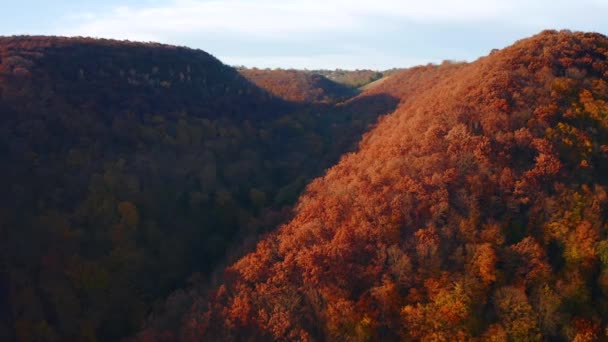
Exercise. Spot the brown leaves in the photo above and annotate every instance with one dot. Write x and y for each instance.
(533, 264)
(484, 263)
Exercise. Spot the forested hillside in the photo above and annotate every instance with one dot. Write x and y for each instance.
(476, 211)
(129, 167)
(299, 85)
(351, 78)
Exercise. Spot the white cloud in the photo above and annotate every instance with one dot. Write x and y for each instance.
(228, 23)
(258, 18)
(273, 17)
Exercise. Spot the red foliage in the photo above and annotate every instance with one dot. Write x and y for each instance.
(458, 190)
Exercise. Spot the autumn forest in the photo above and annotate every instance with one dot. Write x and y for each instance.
(153, 193)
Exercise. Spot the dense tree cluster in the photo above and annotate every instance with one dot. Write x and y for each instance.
(127, 167)
(476, 211)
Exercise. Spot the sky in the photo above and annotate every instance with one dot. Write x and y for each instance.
(312, 34)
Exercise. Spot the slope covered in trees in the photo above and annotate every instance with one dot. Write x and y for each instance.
(477, 210)
(126, 167)
(351, 78)
(299, 85)
(406, 84)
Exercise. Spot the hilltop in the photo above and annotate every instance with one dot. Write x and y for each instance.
(117, 74)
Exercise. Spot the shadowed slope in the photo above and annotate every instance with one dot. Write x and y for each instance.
(124, 76)
(127, 167)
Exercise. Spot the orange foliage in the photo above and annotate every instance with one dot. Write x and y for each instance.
(466, 212)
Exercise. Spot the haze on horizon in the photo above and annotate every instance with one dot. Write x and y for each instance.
(311, 34)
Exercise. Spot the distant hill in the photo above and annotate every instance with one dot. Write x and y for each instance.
(475, 211)
(315, 86)
(129, 168)
(299, 86)
(351, 78)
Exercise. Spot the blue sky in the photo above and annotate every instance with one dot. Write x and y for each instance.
(350, 34)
